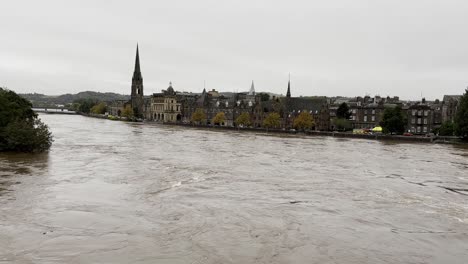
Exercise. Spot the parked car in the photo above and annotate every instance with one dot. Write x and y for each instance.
(408, 134)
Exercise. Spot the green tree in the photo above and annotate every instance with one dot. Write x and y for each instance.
(304, 121)
(243, 119)
(20, 128)
(99, 109)
(343, 111)
(85, 104)
(219, 118)
(264, 97)
(461, 118)
(199, 116)
(272, 121)
(342, 124)
(446, 129)
(13, 107)
(393, 120)
(128, 112)
(27, 136)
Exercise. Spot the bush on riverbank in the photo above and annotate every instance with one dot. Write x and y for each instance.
(461, 119)
(20, 128)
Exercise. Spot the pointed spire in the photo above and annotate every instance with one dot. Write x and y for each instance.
(288, 93)
(137, 71)
(252, 89)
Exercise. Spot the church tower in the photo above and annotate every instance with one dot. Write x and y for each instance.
(137, 88)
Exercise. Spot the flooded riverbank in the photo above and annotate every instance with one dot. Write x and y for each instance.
(116, 192)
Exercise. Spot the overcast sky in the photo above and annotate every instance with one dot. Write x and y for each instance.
(342, 47)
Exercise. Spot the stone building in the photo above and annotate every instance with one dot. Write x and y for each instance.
(420, 117)
(449, 107)
(213, 102)
(165, 106)
(367, 112)
(317, 107)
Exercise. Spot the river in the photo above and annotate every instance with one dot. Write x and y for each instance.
(116, 192)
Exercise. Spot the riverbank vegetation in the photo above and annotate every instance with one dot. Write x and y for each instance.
(393, 121)
(199, 116)
(461, 119)
(243, 120)
(273, 120)
(20, 128)
(343, 114)
(304, 121)
(219, 118)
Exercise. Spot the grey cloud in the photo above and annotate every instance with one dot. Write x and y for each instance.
(331, 48)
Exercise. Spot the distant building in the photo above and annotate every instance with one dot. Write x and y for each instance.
(450, 107)
(165, 106)
(213, 103)
(366, 112)
(317, 107)
(420, 118)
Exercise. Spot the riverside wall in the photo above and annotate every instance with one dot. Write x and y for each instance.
(421, 139)
(317, 133)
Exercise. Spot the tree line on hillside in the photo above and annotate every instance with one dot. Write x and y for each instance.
(20, 128)
(89, 106)
(41, 100)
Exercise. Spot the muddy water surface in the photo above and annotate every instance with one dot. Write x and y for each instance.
(115, 192)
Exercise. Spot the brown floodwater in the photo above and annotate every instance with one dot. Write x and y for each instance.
(116, 192)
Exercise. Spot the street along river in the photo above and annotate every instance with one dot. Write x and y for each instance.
(116, 192)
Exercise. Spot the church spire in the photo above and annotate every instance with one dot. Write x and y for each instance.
(288, 93)
(252, 89)
(137, 99)
(137, 72)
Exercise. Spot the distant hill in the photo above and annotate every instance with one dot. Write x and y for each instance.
(41, 100)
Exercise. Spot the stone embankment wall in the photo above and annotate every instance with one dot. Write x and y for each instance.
(318, 133)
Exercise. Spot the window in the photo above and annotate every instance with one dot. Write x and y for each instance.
(365, 112)
(373, 118)
(420, 112)
(413, 121)
(373, 111)
(425, 121)
(426, 113)
(414, 112)
(365, 118)
(419, 121)
(425, 129)
(419, 130)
